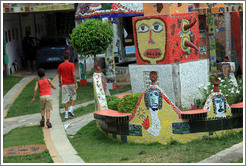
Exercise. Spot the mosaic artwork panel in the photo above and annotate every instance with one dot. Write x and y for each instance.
(161, 39)
(99, 86)
(110, 67)
(210, 105)
(212, 44)
(162, 122)
(23, 150)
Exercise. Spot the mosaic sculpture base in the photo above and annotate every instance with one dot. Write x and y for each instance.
(180, 82)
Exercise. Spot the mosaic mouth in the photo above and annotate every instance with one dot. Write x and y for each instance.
(153, 53)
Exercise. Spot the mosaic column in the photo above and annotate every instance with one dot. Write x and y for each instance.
(110, 68)
(228, 33)
(82, 71)
(212, 44)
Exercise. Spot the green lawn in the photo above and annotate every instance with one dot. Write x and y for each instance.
(9, 82)
(43, 157)
(26, 136)
(22, 105)
(84, 94)
(93, 146)
(80, 111)
(240, 160)
(120, 90)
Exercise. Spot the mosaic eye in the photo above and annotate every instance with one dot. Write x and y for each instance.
(143, 28)
(157, 27)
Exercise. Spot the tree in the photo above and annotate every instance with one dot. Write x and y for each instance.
(91, 37)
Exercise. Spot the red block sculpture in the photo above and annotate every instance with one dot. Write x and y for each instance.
(166, 39)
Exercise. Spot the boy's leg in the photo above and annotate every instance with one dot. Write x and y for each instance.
(73, 95)
(66, 110)
(48, 119)
(42, 115)
(65, 99)
(71, 107)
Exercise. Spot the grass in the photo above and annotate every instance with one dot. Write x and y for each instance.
(80, 111)
(22, 105)
(95, 147)
(120, 90)
(84, 94)
(9, 82)
(240, 160)
(26, 136)
(43, 157)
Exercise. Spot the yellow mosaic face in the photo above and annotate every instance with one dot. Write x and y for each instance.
(151, 38)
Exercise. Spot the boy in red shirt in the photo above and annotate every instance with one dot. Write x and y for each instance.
(44, 85)
(66, 71)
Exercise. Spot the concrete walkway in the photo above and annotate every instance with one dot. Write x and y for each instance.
(58, 135)
(226, 156)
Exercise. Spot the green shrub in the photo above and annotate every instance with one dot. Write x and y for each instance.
(128, 103)
(91, 37)
(113, 102)
(232, 94)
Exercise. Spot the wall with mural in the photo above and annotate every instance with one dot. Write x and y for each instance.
(177, 32)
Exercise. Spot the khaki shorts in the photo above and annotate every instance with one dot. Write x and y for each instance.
(46, 102)
(68, 93)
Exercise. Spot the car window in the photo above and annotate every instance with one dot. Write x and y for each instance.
(52, 42)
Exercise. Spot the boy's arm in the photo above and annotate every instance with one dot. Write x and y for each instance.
(75, 81)
(60, 83)
(51, 84)
(34, 92)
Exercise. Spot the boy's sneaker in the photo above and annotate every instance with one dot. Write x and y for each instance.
(48, 124)
(66, 114)
(42, 122)
(70, 111)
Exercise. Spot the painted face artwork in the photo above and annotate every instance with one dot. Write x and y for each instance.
(219, 105)
(154, 99)
(152, 35)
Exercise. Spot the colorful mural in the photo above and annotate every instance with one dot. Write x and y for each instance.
(110, 68)
(157, 119)
(212, 44)
(153, 34)
(151, 9)
(99, 86)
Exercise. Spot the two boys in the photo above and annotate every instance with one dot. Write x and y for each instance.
(68, 83)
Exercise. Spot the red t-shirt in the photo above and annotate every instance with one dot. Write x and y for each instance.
(44, 87)
(66, 70)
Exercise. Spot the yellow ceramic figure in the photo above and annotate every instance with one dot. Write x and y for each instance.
(155, 117)
(151, 38)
